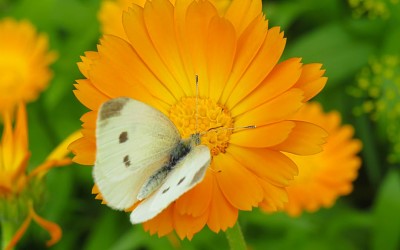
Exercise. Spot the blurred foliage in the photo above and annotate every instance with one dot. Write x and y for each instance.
(342, 35)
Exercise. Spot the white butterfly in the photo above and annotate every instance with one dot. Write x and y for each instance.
(141, 156)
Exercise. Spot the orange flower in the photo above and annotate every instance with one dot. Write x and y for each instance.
(24, 61)
(241, 83)
(110, 14)
(325, 176)
(20, 191)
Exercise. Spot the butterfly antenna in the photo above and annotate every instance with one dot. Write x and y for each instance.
(197, 101)
(234, 128)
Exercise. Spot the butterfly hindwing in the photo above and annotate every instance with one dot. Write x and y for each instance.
(133, 140)
(187, 173)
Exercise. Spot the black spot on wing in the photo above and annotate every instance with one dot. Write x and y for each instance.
(123, 137)
(181, 180)
(112, 108)
(127, 161)
(165, 190)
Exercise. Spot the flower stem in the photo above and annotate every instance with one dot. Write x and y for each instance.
(7, 231)
(235, 238)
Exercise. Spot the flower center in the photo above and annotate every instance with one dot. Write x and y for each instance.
(212, 118)
(13, 70)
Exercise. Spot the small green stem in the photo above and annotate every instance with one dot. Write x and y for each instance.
(369, 151)
(235, 238)
(7, 231)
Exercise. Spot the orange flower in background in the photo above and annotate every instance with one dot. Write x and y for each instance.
(110, 14)
(19, 191)
(325, 176)
(24, 63)
(235, 56)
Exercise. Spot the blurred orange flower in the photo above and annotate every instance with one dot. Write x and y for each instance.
(325, 176)
(24, 63)
(241, 83)
(20, 191)
(110, 14)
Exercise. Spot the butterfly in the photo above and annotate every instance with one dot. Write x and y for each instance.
(141, 157)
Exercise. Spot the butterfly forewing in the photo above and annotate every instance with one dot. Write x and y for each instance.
(187, 173)
(133, 140)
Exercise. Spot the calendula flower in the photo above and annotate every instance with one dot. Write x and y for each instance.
(110, 14)
(24, 63)
(325, 176)
(19, 190)
(241, 83)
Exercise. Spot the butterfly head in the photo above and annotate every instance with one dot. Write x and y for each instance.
(195, 139)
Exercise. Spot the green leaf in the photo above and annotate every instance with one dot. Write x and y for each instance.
(341, 54)
(386, 212)
(288, 13)
(106, 230)
(392, 40)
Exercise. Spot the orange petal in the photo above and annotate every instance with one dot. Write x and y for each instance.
(120, 64)
(305, 139)
(151, 67)
(162, 224)
(264, 136)
(242, 13)
(198, 17)
(262, 64)
(221, 47)
(95, 189)
(87, 60)
(342, 134)
(7, 143)
(248, 46)
(43, 168)
(275, 197)
(21, 131)
(21, 152)
(282, 77)
(20, 232)
(180, 15)
(110, 16)
(275, 110)
(221, 214)
(159, 20)
(239, 186)
(196, 201)
(89, 133)
(89, 121)
(53, 229)
(270, 165)
(89, 95)
(187, 225)
(57, 156)
(311, 80)
(84, 150)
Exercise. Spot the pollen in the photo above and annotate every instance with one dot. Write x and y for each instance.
(209, 118)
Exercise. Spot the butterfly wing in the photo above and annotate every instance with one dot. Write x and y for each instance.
(187, 173)
(133, 140)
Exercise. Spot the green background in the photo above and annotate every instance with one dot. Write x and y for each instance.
(318, 31)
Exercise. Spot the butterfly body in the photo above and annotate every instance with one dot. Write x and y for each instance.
(141, 157)
(177, 154)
